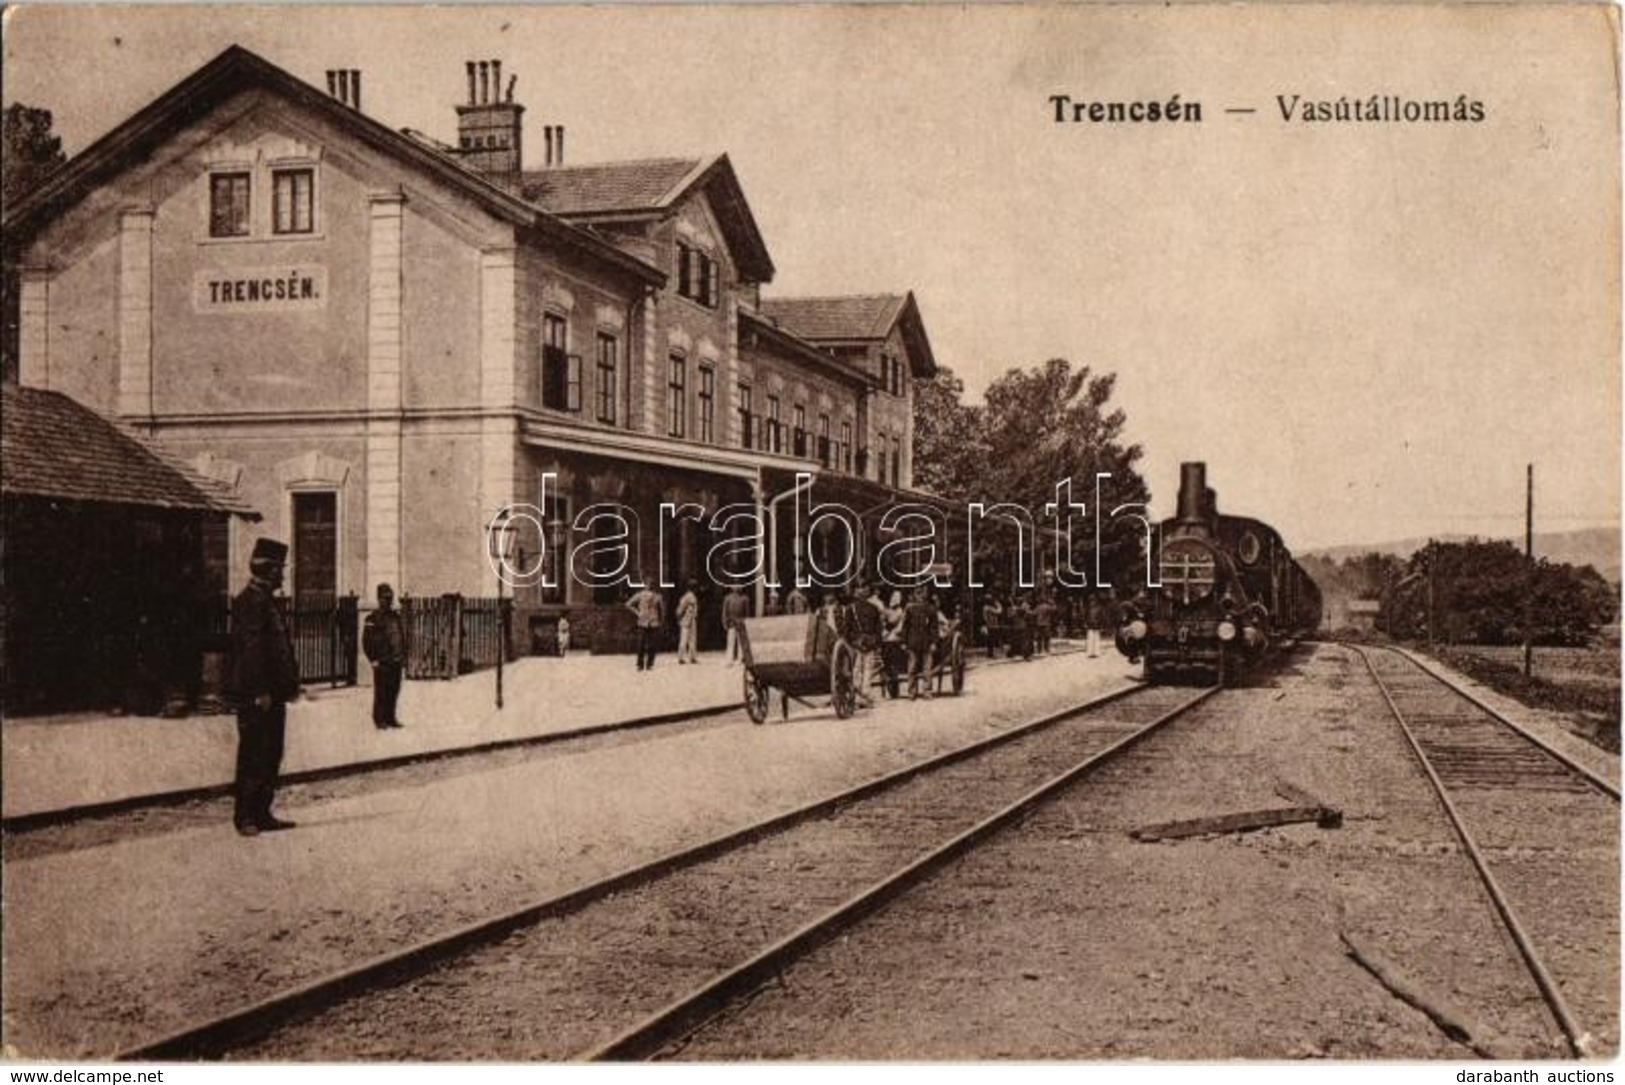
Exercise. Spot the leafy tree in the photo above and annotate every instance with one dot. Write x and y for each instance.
(1036, 427)
(1480, 592)
(947, 437)
(32, 153)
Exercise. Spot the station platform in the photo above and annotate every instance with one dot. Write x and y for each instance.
(57, 766)
(60, 764)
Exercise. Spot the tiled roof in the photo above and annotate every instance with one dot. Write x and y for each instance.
(136, 138)
(866, 316)
(52, 446)
(609, 186)
(756, 324)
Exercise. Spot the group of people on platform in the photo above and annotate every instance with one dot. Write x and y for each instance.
(1020, 626)
(1025, 626)
(860, 614)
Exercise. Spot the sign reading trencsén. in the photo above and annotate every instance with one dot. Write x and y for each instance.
(259, 290)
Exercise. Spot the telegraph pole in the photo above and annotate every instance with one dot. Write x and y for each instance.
(1529, 561)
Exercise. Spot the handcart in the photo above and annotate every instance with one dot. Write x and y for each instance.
(800, 657)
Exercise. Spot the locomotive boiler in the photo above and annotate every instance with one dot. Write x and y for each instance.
(1228, 592)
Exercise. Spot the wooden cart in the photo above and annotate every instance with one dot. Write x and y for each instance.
(800, 657)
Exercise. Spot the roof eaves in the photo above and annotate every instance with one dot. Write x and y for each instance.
(675, 192)
(923, 359)
(219, 496)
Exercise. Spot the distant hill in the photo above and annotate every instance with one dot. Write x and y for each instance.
(1595, 546)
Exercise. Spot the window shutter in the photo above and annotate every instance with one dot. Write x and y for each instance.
(572, 383)
(555, 390)
(712, 292)
(684, 277)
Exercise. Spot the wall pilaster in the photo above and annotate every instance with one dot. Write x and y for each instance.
(135, 313)
(499, 435)
(385, 289)
(33, 333)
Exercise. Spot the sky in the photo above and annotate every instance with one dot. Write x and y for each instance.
(1366, 330)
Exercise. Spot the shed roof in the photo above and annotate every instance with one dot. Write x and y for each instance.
(52, 446)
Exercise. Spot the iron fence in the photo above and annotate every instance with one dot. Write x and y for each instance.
(324, 633)
(448, 635)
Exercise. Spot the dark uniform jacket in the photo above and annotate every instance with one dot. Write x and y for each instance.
(868, 625)
(920, 626)
(262, 654)
(384, 638)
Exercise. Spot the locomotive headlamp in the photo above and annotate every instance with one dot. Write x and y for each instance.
(1227, 631)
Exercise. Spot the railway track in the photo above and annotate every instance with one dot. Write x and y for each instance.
(1541, 830)
(617, 968)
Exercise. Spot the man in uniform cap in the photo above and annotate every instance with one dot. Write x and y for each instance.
(383, 639)
(264, 678)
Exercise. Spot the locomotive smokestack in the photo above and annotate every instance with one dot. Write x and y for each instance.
(1193, 491)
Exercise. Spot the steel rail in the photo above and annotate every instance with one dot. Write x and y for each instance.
(1578, 1039)
(1607, 787)
(691, 1011)
(238, 1026)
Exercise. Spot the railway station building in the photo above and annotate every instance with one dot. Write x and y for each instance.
(378, 339)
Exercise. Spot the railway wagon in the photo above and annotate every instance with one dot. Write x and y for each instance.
(1229, 591)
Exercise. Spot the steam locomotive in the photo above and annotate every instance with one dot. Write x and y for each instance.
(1229, 591)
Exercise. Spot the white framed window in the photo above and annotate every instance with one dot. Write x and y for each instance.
(231, 203)
(293, 200)
(698, 275)
(745, 408)
(677, 396)
(605, 386)
(561, 370)
(706, 414)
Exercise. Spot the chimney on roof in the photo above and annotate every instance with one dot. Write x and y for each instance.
(345, 85)
(554, 134)
(489, 126)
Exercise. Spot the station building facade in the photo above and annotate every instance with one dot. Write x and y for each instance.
(378, 340)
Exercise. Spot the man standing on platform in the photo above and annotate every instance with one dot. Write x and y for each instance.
(384, 641)
(264, 678)
(868, 625)
(735, 608)
(651, 612)
(688, 624)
